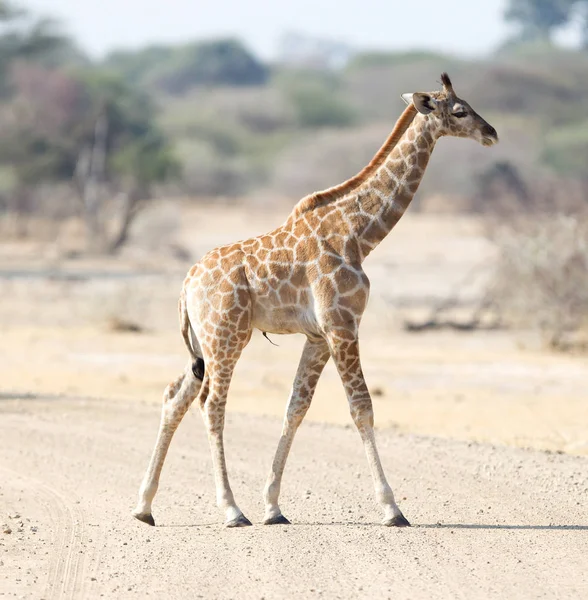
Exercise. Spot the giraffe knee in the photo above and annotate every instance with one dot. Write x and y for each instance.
(362, 413)
(296, 412)
(179, 395)
(171, 391)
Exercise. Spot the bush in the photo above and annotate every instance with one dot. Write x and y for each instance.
(367, 60)
(320, 161)
(541, 278)
(566, 149)
(176, 70)
(206, 173)
(318, 100)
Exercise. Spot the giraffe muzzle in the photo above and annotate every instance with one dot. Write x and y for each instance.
(489, 135)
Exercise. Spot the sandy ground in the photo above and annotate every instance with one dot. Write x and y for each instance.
(59, 334)
(488, 522)
(484, 437)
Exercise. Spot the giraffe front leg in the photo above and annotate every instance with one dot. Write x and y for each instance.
(314, 357)
(344, 348)
(177, 398)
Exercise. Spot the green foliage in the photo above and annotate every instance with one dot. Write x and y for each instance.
(137, 149)
(137, 67)
(232, 123)
(566, 149)
(129, 111)
(206, 173)
(227, 138)
(57, 115)
(176, 70)
(146, 160)
(318, 100)
(368, 60)
(24, 38)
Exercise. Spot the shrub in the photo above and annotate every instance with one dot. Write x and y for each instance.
(566, 149)
(177, 69)
(541, 276)
(317, 99)
(317, 162)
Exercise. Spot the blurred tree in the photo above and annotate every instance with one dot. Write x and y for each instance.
(23, 37)
(538, 19)
(369, 59)
(501, 189)
(90, 125)
(175, 70)
(581, 14)
(138, 66)
(317, 99)
(123, 154)
(565, 149)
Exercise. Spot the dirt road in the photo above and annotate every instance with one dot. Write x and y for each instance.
(488, 522)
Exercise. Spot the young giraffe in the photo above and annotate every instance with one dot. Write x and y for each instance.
(304, 277)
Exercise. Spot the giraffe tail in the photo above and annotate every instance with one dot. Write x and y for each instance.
(190, 339)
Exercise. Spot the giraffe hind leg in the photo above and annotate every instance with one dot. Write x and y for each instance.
(212, 401)
(177, 398)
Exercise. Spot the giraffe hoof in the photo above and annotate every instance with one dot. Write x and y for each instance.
(240, 521)
(145, 518)
(397, 521)
(277, 520)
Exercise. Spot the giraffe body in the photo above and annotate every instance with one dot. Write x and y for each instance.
(304, 277)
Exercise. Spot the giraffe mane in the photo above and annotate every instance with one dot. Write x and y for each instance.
(331, 194)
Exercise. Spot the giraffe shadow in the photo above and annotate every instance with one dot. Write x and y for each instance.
(508, 527)
(450, 526)
(190, 525)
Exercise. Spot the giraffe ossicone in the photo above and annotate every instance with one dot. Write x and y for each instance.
(304, 277)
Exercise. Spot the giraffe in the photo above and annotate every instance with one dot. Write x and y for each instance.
(304, 277)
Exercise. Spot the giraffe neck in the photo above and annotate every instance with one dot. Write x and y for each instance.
(382, 199)
(336, 192)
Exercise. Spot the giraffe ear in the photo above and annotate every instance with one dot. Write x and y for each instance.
(424, 103)
(407, 98)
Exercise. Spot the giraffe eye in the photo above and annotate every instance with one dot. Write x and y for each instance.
(460, 115)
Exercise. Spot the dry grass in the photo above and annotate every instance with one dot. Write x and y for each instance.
(541, 275)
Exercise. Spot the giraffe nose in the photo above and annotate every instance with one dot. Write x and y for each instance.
(489, 131)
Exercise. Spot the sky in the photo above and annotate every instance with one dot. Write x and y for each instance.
(472, 27)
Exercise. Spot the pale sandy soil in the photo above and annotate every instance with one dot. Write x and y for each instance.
(488, 522)
(496, 386)
(79, 410)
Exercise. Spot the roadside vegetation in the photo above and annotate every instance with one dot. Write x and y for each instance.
(95, 141)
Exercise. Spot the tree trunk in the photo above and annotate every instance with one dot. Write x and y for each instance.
(131, 207)
(90, 172)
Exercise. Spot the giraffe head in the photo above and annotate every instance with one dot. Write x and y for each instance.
(451, 115)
